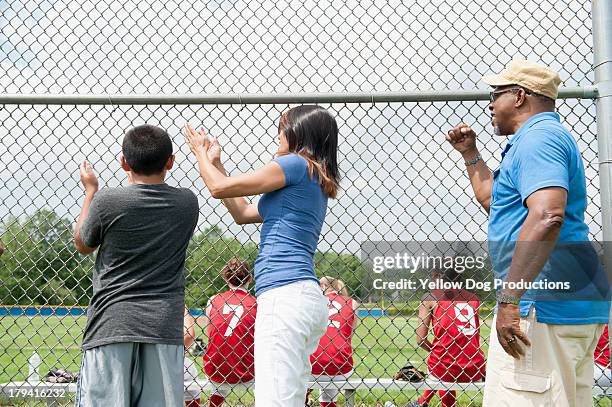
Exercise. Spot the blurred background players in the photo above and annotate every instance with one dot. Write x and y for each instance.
(229, 357)
(603, 376)
(454, 354)
(333, 359)
(191, 371)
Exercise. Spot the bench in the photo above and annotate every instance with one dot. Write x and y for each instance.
(53, 393)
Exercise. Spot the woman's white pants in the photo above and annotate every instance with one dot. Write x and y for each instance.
(290, 321)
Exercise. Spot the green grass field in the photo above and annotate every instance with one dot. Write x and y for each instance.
(382, 346)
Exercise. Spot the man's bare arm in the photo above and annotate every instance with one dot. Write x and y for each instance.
(538, 235)
(463, 139)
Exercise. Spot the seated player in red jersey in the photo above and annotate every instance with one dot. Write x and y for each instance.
(191, 373)
(603, 375)
(333, 359)
(229, 357)
(455, 354)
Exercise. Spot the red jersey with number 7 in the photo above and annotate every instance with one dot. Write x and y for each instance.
(229, 355)
(456, 355)
(334, 355)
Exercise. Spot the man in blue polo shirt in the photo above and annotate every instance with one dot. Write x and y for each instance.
(541, 350)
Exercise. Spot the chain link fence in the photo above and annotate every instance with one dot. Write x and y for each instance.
(401, 180)
(234, 46)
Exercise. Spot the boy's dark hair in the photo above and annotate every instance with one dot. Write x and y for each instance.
(147, 149)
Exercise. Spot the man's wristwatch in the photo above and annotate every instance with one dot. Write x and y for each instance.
(506, 299)
(473, 160)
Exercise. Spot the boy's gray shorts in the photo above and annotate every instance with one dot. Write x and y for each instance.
(131, 374)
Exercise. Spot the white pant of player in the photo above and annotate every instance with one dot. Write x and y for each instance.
(290, 321)
(190, 376)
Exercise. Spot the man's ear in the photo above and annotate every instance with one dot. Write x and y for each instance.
(521, 98)
(170, 162)
(124, 164)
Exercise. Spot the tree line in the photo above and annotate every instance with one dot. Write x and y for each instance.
(41, 267)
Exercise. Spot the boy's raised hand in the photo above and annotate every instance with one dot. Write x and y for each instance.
(88, 177)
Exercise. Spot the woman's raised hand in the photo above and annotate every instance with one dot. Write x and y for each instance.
(214, 150)
(197, 140)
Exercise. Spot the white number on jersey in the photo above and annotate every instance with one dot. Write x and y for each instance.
(334, 309)
(466, 314)
(238, 310)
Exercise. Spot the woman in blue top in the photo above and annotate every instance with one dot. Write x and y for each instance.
(291, 310)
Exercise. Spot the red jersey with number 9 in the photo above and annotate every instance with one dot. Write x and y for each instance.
(456, 355)
(229, 354)
(334, 354)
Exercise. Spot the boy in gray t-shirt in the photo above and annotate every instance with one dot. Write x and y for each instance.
(133, 341)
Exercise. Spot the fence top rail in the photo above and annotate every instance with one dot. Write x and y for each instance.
(589, 92)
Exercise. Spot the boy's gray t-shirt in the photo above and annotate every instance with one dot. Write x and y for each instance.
(138, 283)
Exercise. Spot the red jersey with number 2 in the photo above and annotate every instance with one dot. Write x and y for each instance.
(229, 354)
(334, 355)
(456, 355)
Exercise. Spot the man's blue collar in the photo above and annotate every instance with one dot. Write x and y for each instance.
(531, 122)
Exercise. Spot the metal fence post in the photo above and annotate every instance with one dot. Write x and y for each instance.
(602, 65)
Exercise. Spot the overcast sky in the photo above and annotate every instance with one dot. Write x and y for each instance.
(400, 180)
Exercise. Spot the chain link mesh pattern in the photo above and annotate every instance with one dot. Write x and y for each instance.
(401, 181)
(221, 46)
